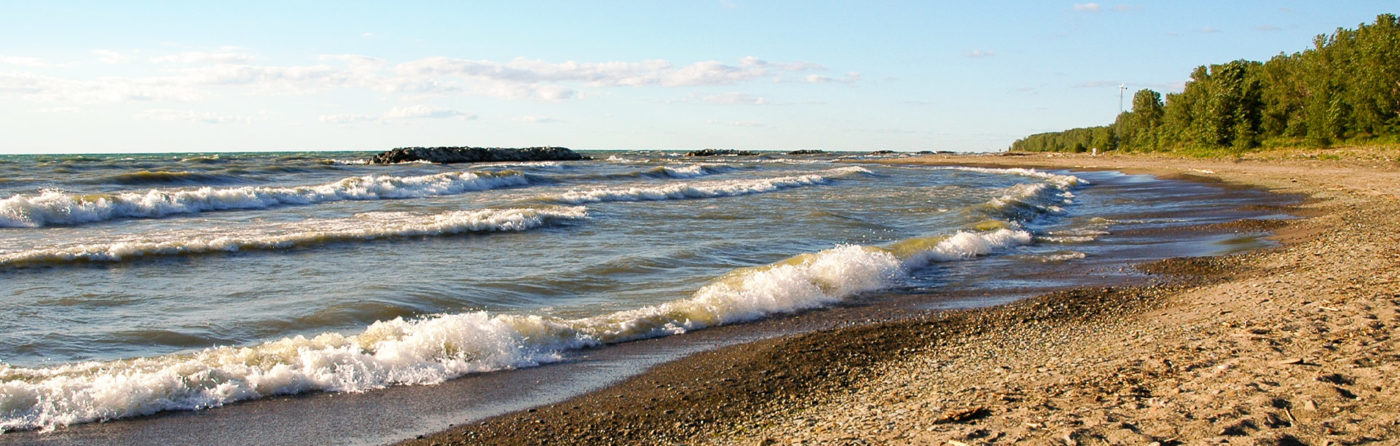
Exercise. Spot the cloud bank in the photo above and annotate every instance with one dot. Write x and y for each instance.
(199, 75)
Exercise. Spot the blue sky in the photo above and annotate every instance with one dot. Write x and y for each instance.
(252, 75)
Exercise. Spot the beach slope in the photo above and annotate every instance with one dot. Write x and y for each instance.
(1288, 345)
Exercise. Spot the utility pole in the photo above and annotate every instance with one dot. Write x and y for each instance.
(1121, 88)
(1118, 131)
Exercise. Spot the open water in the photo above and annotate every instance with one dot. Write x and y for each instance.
(138, 284)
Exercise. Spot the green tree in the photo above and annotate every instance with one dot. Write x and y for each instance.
(1145, 121)
(1345, 88)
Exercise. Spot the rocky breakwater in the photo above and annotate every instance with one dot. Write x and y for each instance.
(721, 152)
(447, 155)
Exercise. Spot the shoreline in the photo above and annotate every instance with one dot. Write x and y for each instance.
(1284, 344)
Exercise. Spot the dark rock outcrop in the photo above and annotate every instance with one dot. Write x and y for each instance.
(806, 152)
(447, 155)
(718, 152)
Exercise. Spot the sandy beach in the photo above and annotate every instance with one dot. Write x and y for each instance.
(1286, 345)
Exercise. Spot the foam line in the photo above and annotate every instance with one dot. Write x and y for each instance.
(52, 207)
(367, 226)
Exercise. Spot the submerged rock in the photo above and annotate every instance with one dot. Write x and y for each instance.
(447, 155)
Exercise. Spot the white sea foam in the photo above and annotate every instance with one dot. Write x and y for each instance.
(708, 189)
(1029, 200)
(1070, 236)
(968, 244)
(690, 171)
(1062, 181)
(367, 226)
(432, 349)
(1035, 197)
(1062, 256)
(550, 165)
(59, 208)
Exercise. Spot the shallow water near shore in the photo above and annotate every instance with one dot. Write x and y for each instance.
(336, 276)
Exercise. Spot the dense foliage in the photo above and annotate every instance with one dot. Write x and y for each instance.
(1345, 88)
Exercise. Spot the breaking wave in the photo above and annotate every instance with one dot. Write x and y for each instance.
(709, 189)
(1061, 181)
(1028, 201)
(687, 171)
(432, 349)
(367, 226)
(147, 177)
(51, 207)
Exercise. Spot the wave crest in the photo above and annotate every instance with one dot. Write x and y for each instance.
(709, 189)
(368, 226)
(432, 349)
(51, 207)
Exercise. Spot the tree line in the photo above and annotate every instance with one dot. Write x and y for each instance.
(1345, 89)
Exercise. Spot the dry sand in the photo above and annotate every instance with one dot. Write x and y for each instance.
(1290, 345)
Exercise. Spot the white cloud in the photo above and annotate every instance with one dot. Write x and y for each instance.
(347, 118)
(743, 124)
(109, 56)
(734, 98)
(533, 78)
(172, 115)
(522, 70)
(532, 119)
(399, 114)
(296, 79)
(199, 75)
(979, 53)
(424, 112)
(850, 78)
(225, 55)
(60, 109)
(752, 61)
(1088, 7)
(1210, 30)
(53, 90)
(712, 73)
(27, 62)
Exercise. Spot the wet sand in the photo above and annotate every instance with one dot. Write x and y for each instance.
(1288, 345)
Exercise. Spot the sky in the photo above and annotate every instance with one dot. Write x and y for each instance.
(135, 76)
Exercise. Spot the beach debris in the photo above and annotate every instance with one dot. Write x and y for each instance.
(962, 416)
(1301, 361)
(1238, 429)
(1336, 378)
(1274, 421)
(1344, 393)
